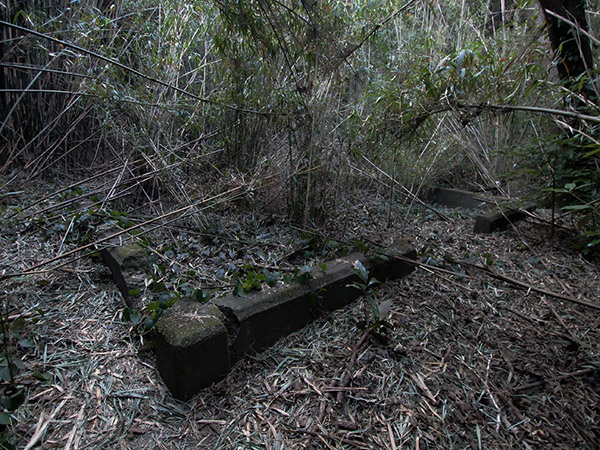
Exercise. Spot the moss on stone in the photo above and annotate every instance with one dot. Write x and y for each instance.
(132, 253)
(188, 323)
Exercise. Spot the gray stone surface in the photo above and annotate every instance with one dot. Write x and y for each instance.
(457, 198)
(257, 321)
(196, 344)
(502, 211)
(192, 349)
(500, 219)
(128, 264)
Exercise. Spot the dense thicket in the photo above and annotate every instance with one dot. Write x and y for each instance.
(289, 102)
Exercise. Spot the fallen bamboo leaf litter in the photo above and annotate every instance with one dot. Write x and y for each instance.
(496, 360)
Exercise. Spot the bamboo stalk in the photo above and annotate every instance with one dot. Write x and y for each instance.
(129, 69)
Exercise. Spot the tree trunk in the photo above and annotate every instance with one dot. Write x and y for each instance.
(571, 46)
(500, 13)
(567, 24)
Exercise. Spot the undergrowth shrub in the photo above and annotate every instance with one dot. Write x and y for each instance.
(302, 92)
(571, 167)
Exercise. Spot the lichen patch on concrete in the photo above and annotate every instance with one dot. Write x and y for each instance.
(188, 323)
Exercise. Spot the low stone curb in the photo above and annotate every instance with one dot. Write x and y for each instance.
(127, 263)
(502, 213)
(501, 219)
(193, 351)
(458, 198)
(191, 347)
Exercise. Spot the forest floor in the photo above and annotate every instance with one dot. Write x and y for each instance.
(471, 361)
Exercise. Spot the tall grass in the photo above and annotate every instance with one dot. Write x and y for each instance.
(286, 94)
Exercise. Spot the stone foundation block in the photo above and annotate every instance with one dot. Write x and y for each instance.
(257, 321)
(128, 264)
(500, 219)
(192, 350)
(196, 344)
(457, 198)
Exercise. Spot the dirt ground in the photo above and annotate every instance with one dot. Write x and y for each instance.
(471, 361)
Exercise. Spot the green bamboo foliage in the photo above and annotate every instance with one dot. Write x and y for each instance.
(293, 94)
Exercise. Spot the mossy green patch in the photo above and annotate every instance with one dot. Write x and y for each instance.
(132, 253)
(188, 323)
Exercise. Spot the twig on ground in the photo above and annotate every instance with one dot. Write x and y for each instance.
(485, 269)
(527, 286)
(562, 323)
(345, 379)
(535, 384)
(322, 434)
(347, 373)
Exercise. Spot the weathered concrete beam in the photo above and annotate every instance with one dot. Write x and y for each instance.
(192, 350)
(500, 219)
(457, 198)
(255, 322)
(127, 263)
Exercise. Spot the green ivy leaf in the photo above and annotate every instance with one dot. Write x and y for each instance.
(42, 376)
(15, 400)
(153, 306)
(304, 274)
(202, 297)
(4, 373)
(271, 277)
(25, 343)
(17, 326)
(149, 324)
(361, 271)
(18, 363)
(132, 316)
(157, 288)
(238, 291)
(5, 419)
(361, 246)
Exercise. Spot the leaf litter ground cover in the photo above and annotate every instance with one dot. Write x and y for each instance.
(469, 361)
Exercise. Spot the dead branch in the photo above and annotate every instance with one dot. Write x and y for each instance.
(527, 286)
(535, 384)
